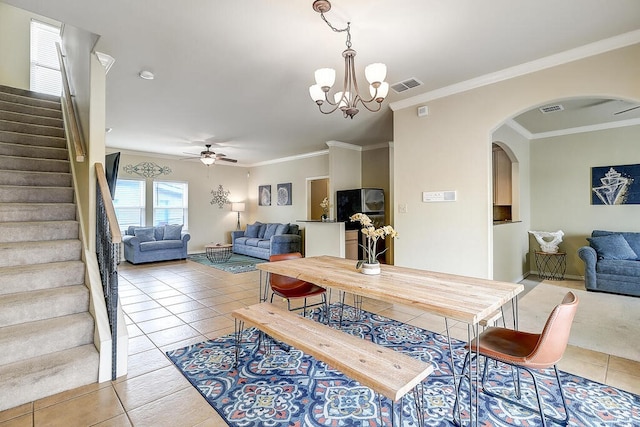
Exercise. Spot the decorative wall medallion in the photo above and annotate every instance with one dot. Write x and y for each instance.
(147, 169)
(264, 195)
(284, 194)
(220, 197)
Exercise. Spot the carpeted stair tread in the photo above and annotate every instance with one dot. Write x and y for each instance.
(30, 95)
(13, 116)
(33, 339)
(15, 107)
(43, 376)
(32, 129)
(25, 253)
(21, 150)
(34, 102)
(42, 304)
(31, 178)
(34, 231)
(30, 194)
(37, 140)
(34, 164)
(33, 277)
(16, 212)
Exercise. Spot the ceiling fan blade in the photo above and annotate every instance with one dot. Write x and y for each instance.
(627, 110)
(224, 159)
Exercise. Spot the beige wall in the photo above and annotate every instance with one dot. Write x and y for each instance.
(207, 223)
(561, 188)
(451, 150)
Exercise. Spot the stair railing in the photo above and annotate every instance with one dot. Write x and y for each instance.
(108, 239)
(69, 112)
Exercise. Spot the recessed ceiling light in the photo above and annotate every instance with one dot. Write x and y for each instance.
(147, 75)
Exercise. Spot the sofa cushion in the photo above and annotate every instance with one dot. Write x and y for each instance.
(619, 268)
(158, 245)
(145, 234)
(612, 246)
(252, 241)
(264, 244)
(293, 229)
(241, 240)
(270, 231)
(263, 229)
(158, 232)
(172, 232)
(252, 230)
(282, 229)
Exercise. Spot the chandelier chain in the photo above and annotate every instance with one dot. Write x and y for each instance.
(338, 30)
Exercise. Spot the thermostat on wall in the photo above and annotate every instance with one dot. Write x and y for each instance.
(439, 196)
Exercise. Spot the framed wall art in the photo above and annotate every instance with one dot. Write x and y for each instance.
(284, 194)
(264, 195)
(615, 185)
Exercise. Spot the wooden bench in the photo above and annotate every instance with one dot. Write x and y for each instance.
(386, 371)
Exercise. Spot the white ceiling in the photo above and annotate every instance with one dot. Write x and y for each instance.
(237, 72)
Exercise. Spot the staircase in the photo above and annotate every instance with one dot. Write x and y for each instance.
(46, 330)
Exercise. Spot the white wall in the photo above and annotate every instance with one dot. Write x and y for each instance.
(561, 188)
(451, 150)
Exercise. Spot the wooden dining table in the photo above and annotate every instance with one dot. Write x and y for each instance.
(461, 298)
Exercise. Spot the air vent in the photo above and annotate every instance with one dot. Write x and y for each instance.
(406, 85)
(551, 108)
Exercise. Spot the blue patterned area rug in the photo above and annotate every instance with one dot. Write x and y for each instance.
(294, 389)
(236, 264)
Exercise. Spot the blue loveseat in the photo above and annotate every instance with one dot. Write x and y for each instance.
(263, 240)
(149, 244)
(612, 262)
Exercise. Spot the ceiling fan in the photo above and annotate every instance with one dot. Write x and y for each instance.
(627, 110)
(209, 157)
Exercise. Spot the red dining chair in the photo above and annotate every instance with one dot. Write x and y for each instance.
(528, 351)
(292, 288)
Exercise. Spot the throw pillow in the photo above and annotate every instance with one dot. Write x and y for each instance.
(613, 246)
(144, 234)
(270, 231)
(282, 229)
(263, 229)
(252, 230)
(172, 232)
(633, 239)
(293, 229)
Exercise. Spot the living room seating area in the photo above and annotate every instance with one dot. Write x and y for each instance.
(150, 244)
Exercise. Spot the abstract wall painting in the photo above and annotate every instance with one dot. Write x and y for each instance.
(615, 185)
(284, 194)
(264, 195)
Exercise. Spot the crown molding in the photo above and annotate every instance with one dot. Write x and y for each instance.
(601, 46)
(291, 158)
(519, 128)
(583, 129)
(345, 145)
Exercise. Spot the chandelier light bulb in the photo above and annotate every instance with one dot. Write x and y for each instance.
(325, 77)
(341, 100)
(375, 73)
(379, 93)
(317, 94)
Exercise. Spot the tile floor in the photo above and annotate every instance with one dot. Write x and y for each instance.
(174, 304)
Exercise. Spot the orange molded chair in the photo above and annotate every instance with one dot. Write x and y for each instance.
(529, 351)
(292, 288)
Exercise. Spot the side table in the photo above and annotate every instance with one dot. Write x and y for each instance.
(220, 252)
(551, 266)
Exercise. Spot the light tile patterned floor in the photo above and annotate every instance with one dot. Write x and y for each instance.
(174, 304)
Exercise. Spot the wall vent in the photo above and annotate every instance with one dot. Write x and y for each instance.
(551, 108)
(406, 85)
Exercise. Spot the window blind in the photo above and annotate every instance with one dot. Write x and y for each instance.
(45, 67)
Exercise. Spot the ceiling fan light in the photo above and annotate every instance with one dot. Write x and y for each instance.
(208, 160)
(316, 92)
(325, 77)
(381, 92)
(375, 73)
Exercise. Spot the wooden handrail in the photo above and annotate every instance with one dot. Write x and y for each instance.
(72, 122)
(116, 236)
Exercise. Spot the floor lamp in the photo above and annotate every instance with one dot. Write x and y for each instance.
(237, 207)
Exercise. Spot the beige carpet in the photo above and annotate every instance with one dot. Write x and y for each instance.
(604, 322)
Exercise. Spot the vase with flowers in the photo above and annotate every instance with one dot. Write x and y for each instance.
(370, 264)
(325, 209)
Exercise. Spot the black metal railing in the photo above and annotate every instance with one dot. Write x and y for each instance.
(108, 239)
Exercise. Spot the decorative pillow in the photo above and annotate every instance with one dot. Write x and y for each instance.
(633, 239)
(282, 229)
(144, 234)
(613, 246)
(263, 229)
(252, 230)
(293, 229)
(172, 232)
(270, 231)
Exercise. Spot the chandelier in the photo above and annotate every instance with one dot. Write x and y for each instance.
(349, 97)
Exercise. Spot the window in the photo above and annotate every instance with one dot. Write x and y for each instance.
(170, 203)
(45, 67)
(129, 203)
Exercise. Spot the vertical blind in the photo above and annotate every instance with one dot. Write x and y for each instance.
(45, 68)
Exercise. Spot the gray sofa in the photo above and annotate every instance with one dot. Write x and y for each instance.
(612, 262)
(263, 240)
(149, 244)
